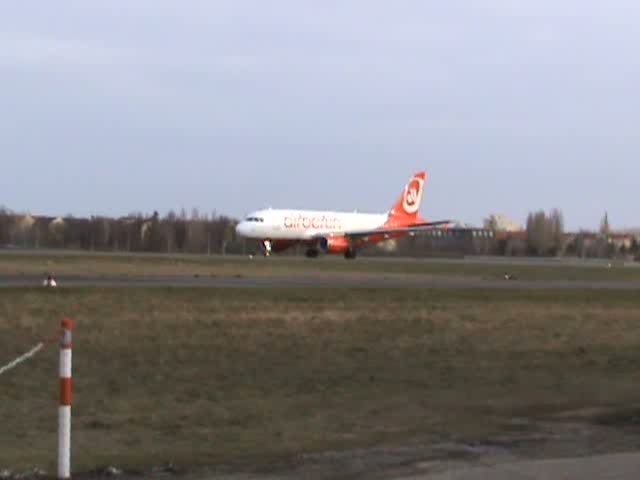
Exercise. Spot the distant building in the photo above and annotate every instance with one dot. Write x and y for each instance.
(456, 241)
(621, 240)
(25, 222)
(501, 223)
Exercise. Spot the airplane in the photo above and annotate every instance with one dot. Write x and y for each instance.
(327, 232)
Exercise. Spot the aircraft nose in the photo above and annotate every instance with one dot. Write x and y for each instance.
(242, 229)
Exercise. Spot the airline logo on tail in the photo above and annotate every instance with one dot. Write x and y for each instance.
(413, 195)
(405, 210)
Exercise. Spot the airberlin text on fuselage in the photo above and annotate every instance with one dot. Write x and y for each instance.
(323, 222)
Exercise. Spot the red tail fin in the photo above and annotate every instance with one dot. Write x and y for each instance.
(405, 210)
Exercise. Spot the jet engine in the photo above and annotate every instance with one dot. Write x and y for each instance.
(336, 244)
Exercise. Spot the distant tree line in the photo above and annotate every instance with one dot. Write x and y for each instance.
(545, 233)
(545, 236)
(179, 232)
(171, 233)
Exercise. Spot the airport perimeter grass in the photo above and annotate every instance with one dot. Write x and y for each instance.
(248, 377)
(137, 265)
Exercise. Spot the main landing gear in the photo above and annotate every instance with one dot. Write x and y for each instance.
(350, 253)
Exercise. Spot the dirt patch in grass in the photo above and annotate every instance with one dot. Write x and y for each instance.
(251, 377)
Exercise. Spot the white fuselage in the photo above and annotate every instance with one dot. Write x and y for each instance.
(305, 224)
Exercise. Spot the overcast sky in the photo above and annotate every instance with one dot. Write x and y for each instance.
(112, 106)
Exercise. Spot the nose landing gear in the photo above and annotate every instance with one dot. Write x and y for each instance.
(267, 246)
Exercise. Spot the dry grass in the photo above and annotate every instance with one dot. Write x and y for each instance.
(202, 376)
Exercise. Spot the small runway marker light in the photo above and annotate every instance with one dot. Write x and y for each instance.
(64, 409)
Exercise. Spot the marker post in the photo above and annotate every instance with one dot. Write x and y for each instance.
(64, 409)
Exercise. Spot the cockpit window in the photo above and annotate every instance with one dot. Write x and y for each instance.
(254, 219)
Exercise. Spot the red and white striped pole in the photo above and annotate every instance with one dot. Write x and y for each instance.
(64, 411)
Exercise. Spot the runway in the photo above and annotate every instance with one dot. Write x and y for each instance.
(613, 467)
(317, 280)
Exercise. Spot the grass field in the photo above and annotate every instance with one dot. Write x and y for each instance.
(189, 265)
(204, 376)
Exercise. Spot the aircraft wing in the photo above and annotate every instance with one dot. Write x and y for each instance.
(416, 227)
